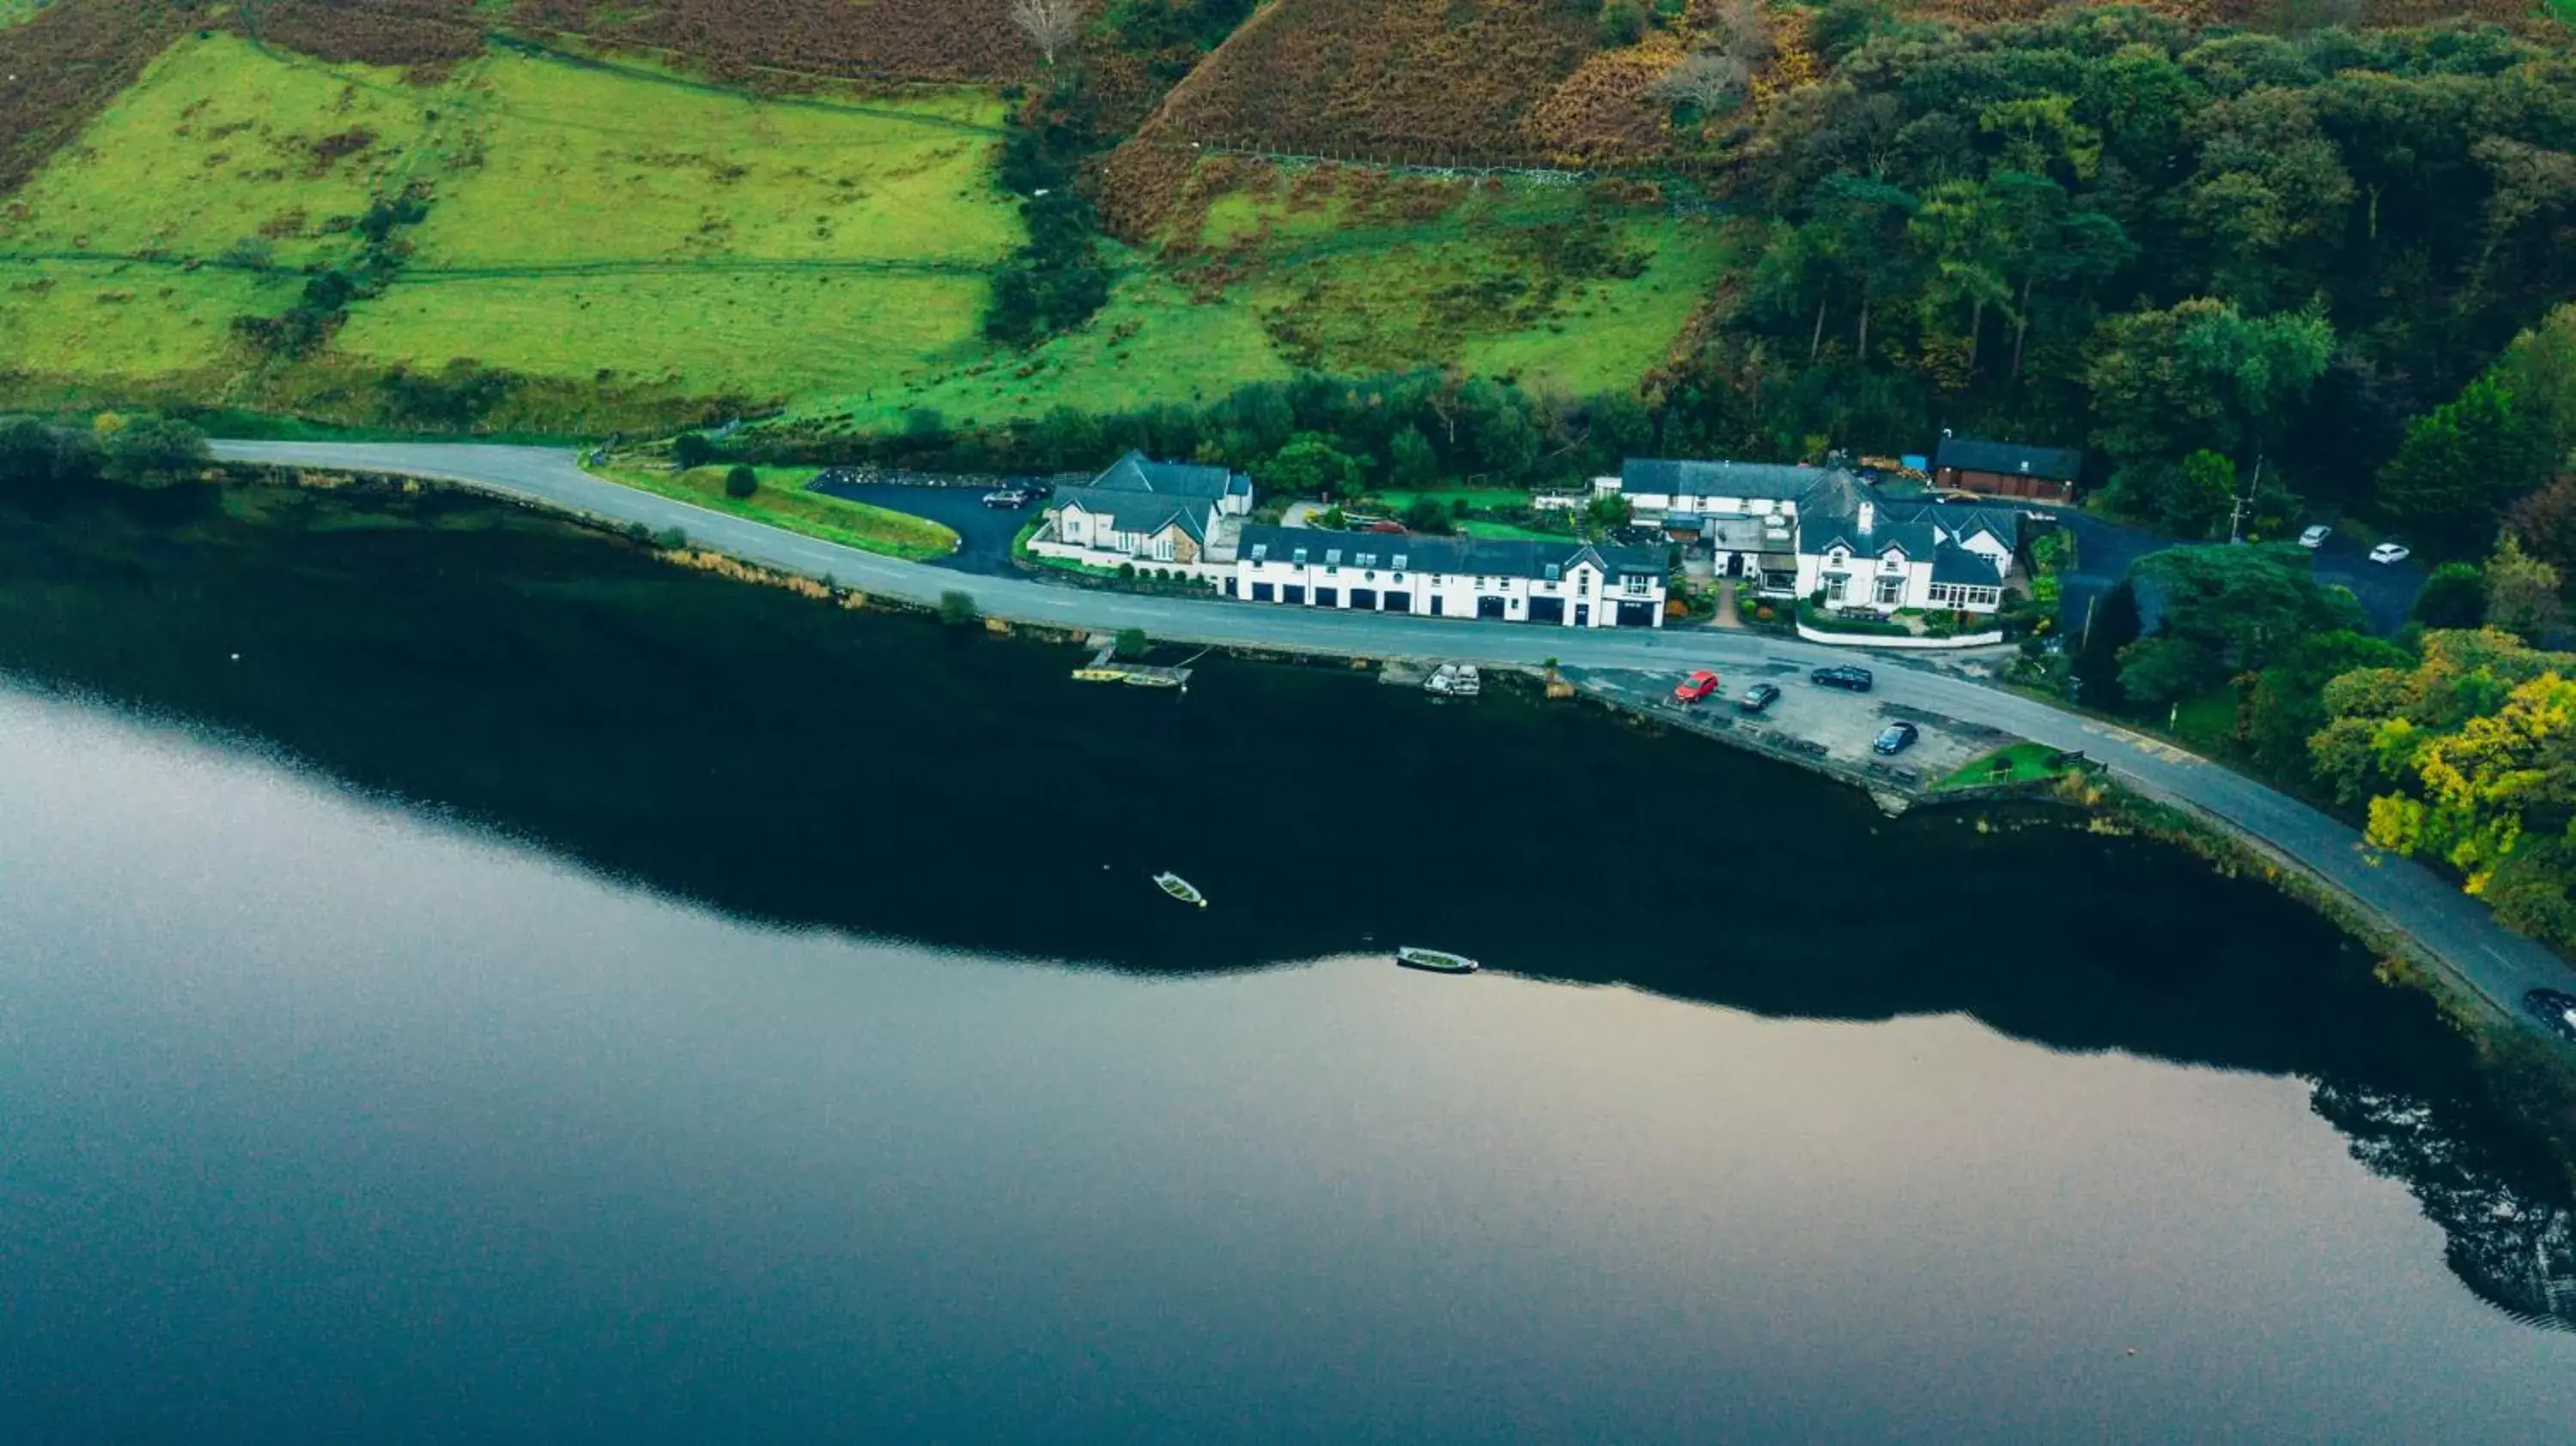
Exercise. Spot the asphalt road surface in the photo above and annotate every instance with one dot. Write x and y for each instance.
(2495, 962)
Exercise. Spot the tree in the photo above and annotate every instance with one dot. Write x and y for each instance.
(1310, 466)
(1132, 643)
(2459, 466)
(1409, 455)
(1427, 515)
(2521, 592)
(2544, 524)
(2455, 596)
(741, 482)
(1623, 22)
(2224, 610)
(2201, 374)
(957, 608)
(2111, 626)
(1960, 227)
(1050, 25)
(2200, 498)
(690, 451)
(1744, 31)
(1610, 510)
(1861, 223)
(153, 450)
(1706, 82)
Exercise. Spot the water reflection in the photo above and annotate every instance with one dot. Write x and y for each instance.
(777, 760)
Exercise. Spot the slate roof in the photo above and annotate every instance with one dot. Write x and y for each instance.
(1971, 454)
(1952, 563)
(1143, 513)
(1451, 556)
(1778, 481)
(1921, 530)
(1135, 472)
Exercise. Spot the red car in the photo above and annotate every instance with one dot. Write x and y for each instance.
(1700, 685)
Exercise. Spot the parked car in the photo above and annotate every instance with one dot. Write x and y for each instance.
(1695, 688)
(2315, 536)
(2388, 552)
(1896, 739)
(1842, 675)
(2554, 1009)
(1007, 497)
(1757, 698)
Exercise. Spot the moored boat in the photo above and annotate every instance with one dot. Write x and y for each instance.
(1454, 680)
(1180, 888)
(1438, 961)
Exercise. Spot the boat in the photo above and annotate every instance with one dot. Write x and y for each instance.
(1454, 680)
(1181, 889)
(1438, 961)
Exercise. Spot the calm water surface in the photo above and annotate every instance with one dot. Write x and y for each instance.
(528, 1026)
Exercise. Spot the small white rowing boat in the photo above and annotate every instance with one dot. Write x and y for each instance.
(1438, 961)
(1181, 889)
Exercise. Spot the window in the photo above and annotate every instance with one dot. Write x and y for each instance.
(1891, 590)
(1368, 577)
(1634, 584)
(1364, 559)
(1553, 572)
(1300, 557)
(1397, 562)
(1260, 550)
(1332, 557)
(1836, 585)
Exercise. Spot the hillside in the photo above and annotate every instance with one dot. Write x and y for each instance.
(588, 214)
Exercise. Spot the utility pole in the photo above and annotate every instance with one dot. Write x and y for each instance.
(2244, 503)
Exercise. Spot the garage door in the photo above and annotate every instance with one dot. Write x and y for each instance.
(1636, 615)
(1264, 592)
(1547, 610)
(1364, 598)
(1489, 607)
(1328, 597)
(1293, 593)
(1399, 602)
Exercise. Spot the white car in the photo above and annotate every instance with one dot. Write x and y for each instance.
(2388, 552)
(2315, 536)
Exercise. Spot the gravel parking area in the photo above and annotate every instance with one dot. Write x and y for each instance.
(1826, 727)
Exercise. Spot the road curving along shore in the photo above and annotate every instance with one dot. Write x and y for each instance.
(2405, 899)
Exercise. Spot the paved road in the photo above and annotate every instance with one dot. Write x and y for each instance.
(2104, 550)
(2497, 963)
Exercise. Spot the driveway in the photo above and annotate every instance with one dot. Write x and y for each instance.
(983, 533)
(2104, 550)
(2496, 963)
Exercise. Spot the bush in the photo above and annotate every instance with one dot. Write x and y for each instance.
(957, 608)
(1132, 643)
(670, 539)
(741, 482)
(690, 450)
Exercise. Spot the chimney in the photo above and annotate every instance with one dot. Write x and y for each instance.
(1868, 516)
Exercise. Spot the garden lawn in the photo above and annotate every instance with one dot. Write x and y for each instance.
(782, 501)
(1509, 532)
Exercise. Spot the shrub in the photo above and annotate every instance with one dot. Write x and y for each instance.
(741, 482)
(957, 608)
(670, 539)
(690, 450)
(1132, 642)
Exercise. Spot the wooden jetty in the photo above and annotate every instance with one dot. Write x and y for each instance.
(1104, 668)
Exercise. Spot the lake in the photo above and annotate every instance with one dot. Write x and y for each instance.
(464, 980)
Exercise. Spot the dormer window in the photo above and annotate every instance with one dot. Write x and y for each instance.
(1399, 562)
(1332, 557)
(1300, 557)
(1260, 550)
(1552, 572)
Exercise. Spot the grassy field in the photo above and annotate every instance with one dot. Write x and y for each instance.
(783, 501)
(1273, 277)
(667, 248)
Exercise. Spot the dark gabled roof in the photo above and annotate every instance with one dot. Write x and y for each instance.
(1143, 513)
(1918, 529)
(1971, 454)
(1780, 481)
(1452, 556)
(1137, 473)
(1953, 563)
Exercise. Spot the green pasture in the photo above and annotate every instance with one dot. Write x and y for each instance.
(783, 501)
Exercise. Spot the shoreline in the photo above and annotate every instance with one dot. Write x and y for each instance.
(797, 562)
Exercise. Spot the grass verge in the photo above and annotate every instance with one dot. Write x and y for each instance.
(2018, 763)
(782, 501)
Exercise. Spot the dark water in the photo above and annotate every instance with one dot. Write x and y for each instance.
(536, 994)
